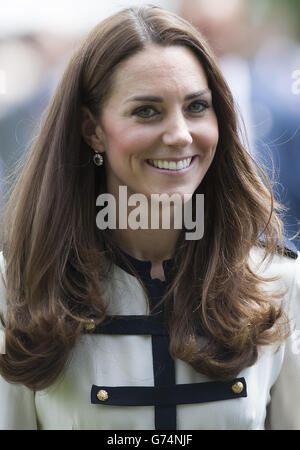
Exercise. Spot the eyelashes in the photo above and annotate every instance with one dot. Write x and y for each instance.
(197, 107)
(143, 112)
(201, 106)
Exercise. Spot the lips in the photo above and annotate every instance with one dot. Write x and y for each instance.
(170, 164)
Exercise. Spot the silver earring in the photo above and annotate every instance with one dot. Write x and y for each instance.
(98, 159)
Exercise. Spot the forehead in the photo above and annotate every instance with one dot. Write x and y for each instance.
(159, 69)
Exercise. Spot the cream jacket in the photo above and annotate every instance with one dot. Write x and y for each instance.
(122, 378)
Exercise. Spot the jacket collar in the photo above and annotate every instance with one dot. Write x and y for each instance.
(133, 265)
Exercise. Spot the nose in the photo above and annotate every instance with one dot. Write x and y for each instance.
(177, 133)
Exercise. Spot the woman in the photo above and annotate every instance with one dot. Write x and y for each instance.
(176, 333)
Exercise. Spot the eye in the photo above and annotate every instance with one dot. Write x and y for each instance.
(199, 106)
(145, 112)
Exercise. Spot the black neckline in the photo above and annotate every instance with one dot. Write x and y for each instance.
(143, 268)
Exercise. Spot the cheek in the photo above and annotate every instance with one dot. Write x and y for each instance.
(127, 140)
(207, 136)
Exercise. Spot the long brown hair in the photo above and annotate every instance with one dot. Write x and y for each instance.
(56, 262)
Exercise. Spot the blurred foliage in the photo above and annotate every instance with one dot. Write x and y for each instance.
(285, 11)
(290, 8)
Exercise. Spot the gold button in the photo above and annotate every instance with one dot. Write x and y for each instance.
(102, 395)
(237, 387)
(90, 325)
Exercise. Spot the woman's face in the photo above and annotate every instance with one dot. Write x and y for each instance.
(159, 128)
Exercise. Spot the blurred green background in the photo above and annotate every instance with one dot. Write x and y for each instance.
(278, 13)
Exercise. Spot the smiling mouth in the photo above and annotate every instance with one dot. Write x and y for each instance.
(170, 165)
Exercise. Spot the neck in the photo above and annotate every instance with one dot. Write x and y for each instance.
(147, 245)
(141, 230)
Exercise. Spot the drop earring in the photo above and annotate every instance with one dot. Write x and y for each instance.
(98, 159)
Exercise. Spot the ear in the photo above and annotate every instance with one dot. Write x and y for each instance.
(91, 130)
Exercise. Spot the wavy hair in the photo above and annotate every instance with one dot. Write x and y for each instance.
(56, 258)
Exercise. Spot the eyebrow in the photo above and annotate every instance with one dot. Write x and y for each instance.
(153, 98)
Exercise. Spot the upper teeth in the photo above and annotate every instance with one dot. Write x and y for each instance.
(171, 165)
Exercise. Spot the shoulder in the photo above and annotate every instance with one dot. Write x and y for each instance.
(283, 271)
(290, 250)
(284, 264)
(286, 259)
